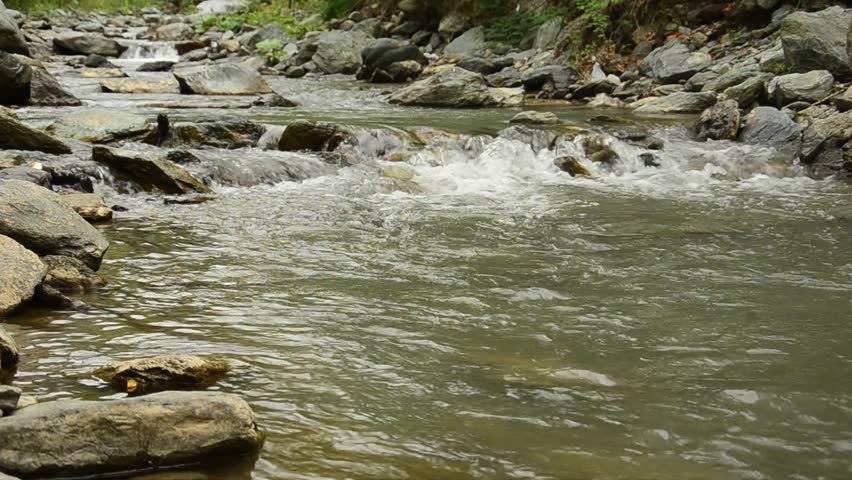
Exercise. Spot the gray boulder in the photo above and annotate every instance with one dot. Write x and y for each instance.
(800, 87)
(73, 43)
(37, 219)
(22, 272)
(305, 135)
(15, 77)
(100, 125)
(381, 61)
(68, 273)
(335, 51)
(749, 91)
(471, 42)
(45, 90)
(734, 76)
(719, 122)
(175, 32)
(156, 66)
(674, 61)
(456, 88)
(224, 79)
(149, 169)
(680, 102)
(818, 41)
(453, 23)
(8, 350)
(559, 77)
(770, 126)
(27, 174)
(826, 146)
(166, 371)
(11, 38)
(78, 438)
(15, 135)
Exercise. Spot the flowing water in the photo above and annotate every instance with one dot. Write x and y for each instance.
(481, 315)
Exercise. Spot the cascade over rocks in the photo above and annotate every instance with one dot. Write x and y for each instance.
(149, 169)
(22, 272)
(224, 79)
(78, 438)
(37, 219)
(456, 88)
(382, 62)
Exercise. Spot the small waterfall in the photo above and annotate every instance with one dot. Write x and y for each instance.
(143, 51)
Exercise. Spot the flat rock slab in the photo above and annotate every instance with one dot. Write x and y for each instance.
(159, 373)
(37, 219)
(226, 79)
(132, 85)
(15, 135)
(100, 125)
(77, 438)
(21, 272)
(149, 169)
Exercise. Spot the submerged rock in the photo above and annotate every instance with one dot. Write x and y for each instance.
(89, 206)
(73, 43)
(719, 122)
(8, 350)
(149, 169)
(78, 438)
(22, 272)
(68, 273)
(100, 125)
(572, 166)
(681, 102)
(166, 371)
(456, 88)
(225, 79)
(314, 136)
(15, 135)
(37, 219)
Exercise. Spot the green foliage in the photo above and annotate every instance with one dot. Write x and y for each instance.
(513, 28)
(337, 8)
(594, 12)
(106, 6)
(272, 49)
(260, 14)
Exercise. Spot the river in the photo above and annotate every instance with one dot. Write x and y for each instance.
(504, 321)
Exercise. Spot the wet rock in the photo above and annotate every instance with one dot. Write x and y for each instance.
(470, 43)
(45, 90)
(37, 219)
(381, 62)
(818, 41)
(68, 273)
(9, 397)
(304, 135)
(22, 272)
(149, 169)
(335, 51)
(770, 126)
(156, 66)
(224, 79)
(15, 135)
(273, 100)
(572, 166)
(649, 159)
(50, 297)
(98, 61)
(748, 92)
(89, 206)
(719, 122)
(66, 438)
(15, 77)
(456, 88)
(175, 32)
(27, 174)
(164, 372)
(826, 145)
(538, 139)
(226, 133)
(682, 102)
(100, 125)
(808, 87)
(135, 85)
(674, 61)
(843, 102)
(598, 149)
(11, 38)
(535, 118)
(73, 43)
(559, 77)
(8, 350)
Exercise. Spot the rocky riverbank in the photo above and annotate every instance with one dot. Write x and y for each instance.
(783, 86)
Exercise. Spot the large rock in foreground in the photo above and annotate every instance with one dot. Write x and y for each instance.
(21, 273)
(77, 438)
(818, 41)
(15, 135)
(74, 43)
(770, 126)
(457, 88)
(149, 170)
(226, 79)
(159, 373)
(37, 219)
(11, 38)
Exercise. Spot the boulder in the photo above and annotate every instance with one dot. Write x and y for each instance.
(818, 41)
(806, 87)
(749, 91)
(136, 85)
(174, 32)
(674, 61)
(770, 126)
(164, 372)
(509, 77)
(11, 38)
(226, 133)
(22, 272)
(37, 219)
(8, 350)
(305, 135)
(681, 102)
(156, 66)
(456, 88)
(221, 7)
(734, 76)
(470, 43)
(71, 438)
(9, 397)
(73, 43)
(594, 88)
(535, 118)
(381, 61)
(15, 77)
(27, 174)
(149, 169)
(547, 35)
(68, 273)
(89, 206)
(826, 145)
(336, 51)
(843, 102)
(572, 166)
(719, 122)
(46, 91)
(100, 125)
(560, 77)
(15, 135)
(224, 79)
(98, 61)
(485, 66)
